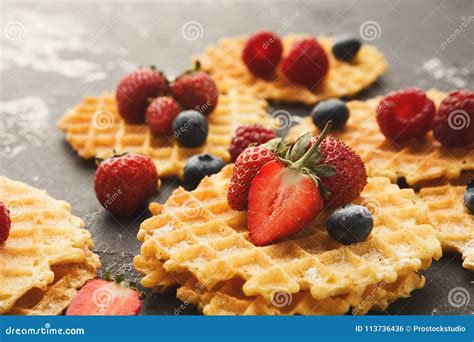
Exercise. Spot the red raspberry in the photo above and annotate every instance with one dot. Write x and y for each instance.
(249, 162)
(405, 115)
(246, 135)
(5, 223)
(262, 53)
(351, 176)
(306, 64)
(160, 115)
(135, 90)
(453, 124)
(197, 91)
(123, 184)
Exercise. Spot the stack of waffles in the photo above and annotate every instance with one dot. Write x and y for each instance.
(423, 164)
(47, 256)
(195, 240)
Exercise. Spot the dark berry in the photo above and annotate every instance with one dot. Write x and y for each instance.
(190, 128)
(345, 47)
(160, 115)
(405, 115)
(350, 224)
(334, 110)
(469, 196)
(247, 135)
(453, 123)
(199, 166)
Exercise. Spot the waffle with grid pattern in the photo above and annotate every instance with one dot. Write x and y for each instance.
(228, 299)
(44, 237)
(197, 233)
(449, 216)
(224, 63)
(419, 162)
(68, 279)
(95, 129)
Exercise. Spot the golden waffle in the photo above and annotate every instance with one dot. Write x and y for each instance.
(68, 279)
(95, 129)
(224, 63)
(419, 162)
(43, 235)
(449, 216)
(197, 233)
(228, 299)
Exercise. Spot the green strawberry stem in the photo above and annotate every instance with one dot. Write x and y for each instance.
(301, 163)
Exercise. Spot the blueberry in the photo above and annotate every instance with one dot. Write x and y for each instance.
(190, 128)
(345, 47)
(350, 223)
(199, 166)
(334, 110)
(469, 196)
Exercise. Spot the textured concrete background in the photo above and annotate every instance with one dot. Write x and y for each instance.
(55, 52)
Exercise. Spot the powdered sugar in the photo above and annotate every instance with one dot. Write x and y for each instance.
(42, 41)
(24, 123)
(440, 70)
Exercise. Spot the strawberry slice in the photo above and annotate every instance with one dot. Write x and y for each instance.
(282, 201)
(287, 194)
(101, 297)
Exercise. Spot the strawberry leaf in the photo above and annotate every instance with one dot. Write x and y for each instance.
(299, 148)
(278, 147)
(313, 159)
(324, 170)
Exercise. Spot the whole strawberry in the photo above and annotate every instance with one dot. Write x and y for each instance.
(196, 90)
(248, 163)
(306, 64)
(135, 90)
(160, 115)
(124, 183)
(351, 176)
(5, 223)
(453, 124)
(246, 135)
(262, 53)
(286, 195)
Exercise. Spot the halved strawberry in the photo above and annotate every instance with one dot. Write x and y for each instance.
(282, 201)
(102, 297)
(286, 194)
